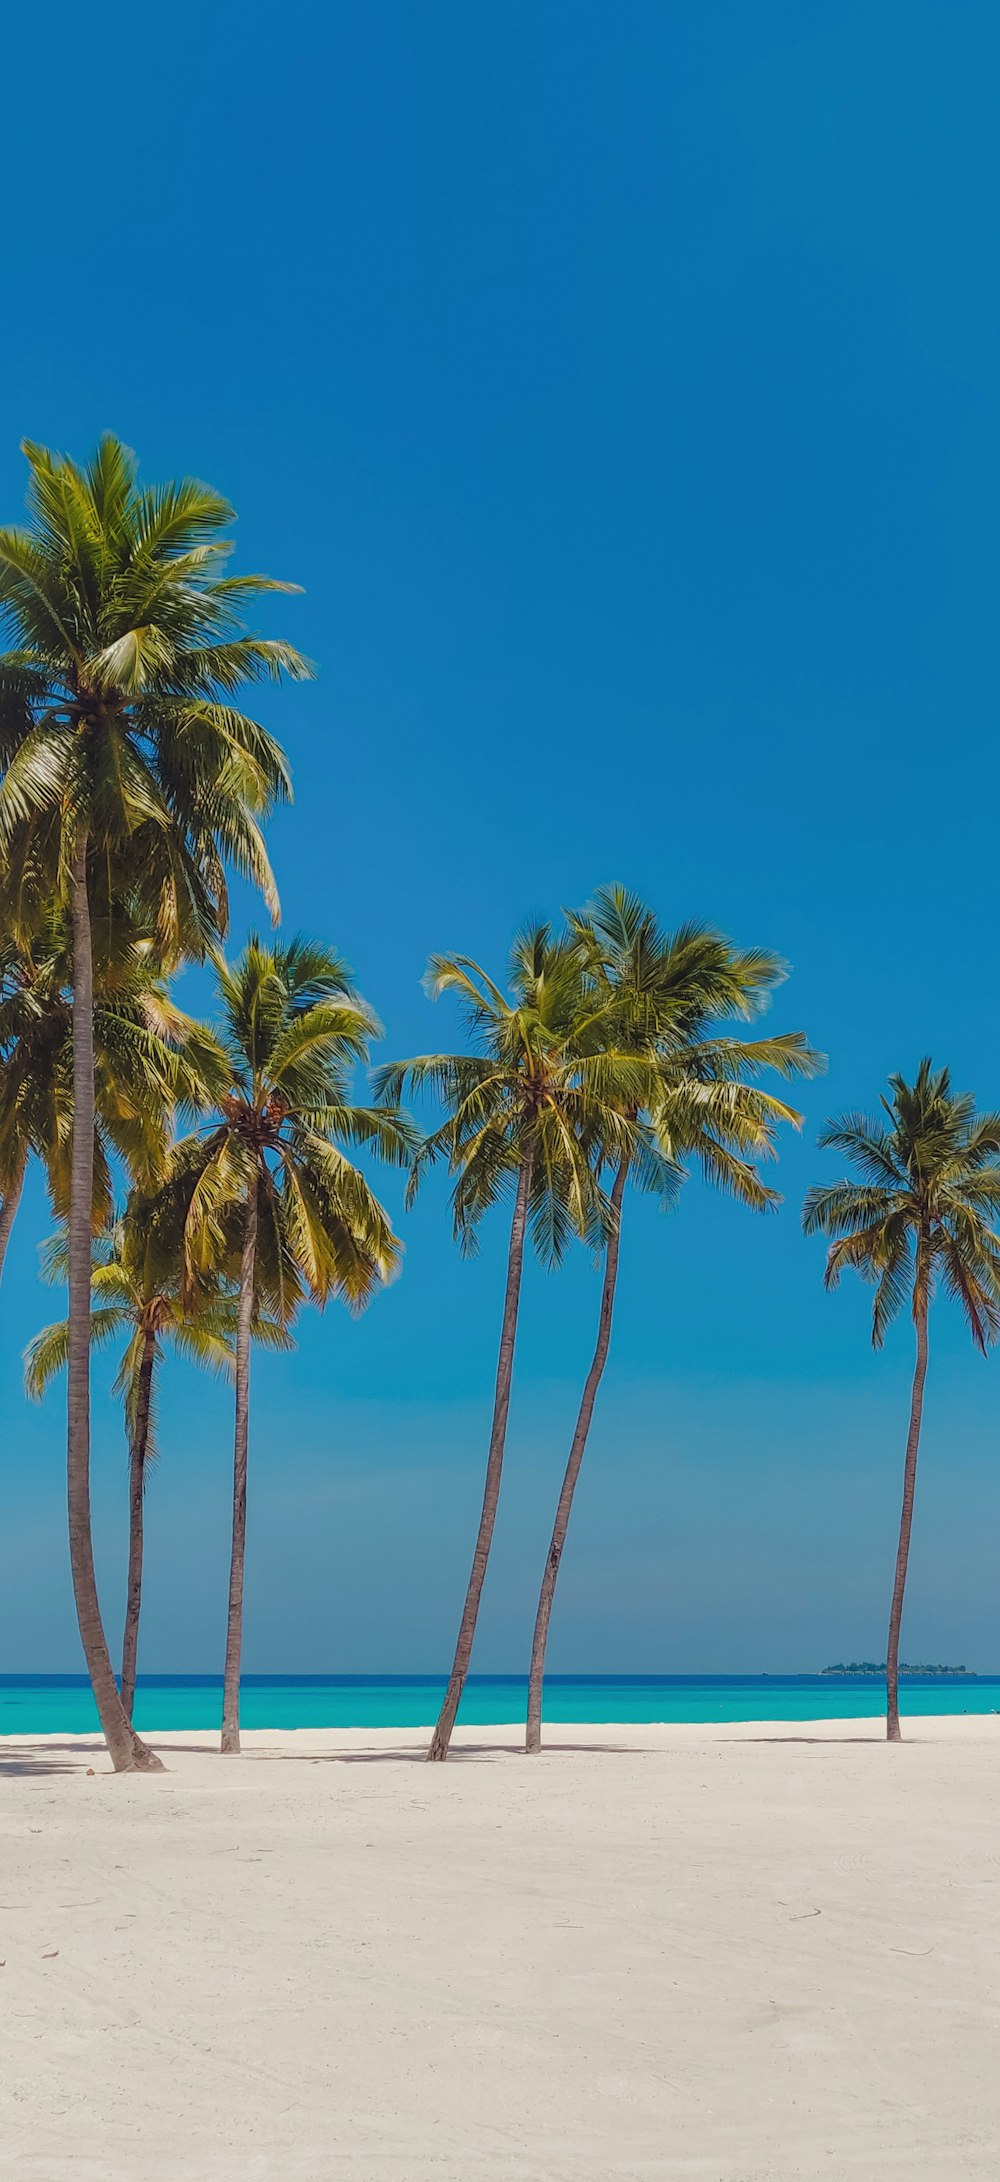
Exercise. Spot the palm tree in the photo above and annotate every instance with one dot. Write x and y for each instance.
(271, 1193)
(661, 996)
(920, 1212)
(140, 1289)
(530, 1114)
(124, 753)
(146, 1060)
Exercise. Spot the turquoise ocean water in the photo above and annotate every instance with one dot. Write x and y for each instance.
(62, 1704)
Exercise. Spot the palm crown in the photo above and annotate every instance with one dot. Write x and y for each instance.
(662, 995)
(542, 1089)
(293, 1028)
(117, 721)
(929, 1187)
(139, 1289)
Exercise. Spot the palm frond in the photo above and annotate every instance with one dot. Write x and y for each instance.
(47, 1353)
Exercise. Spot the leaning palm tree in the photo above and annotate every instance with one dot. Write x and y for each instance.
(531, 1115)
(140, 1291)
(124, 754)
(269, 1190)
(929, 1184)
(146, 1060)
(663, 997)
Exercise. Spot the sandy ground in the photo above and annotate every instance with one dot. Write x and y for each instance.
(735, 1954)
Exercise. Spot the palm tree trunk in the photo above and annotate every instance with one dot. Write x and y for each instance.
(494, 1466)
(10, 1204)
(905, 1526)
(533, 1733)
(234, 1632)
(136, 1488)
(128, 1753)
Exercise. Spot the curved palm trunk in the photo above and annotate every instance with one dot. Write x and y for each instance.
(494, 1466)
(8, 1209)
(234, 1631)
(128, 1753)
(905, 1527)
(533, 1733)
(136, 1487)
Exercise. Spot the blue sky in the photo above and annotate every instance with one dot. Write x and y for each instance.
(622, 386)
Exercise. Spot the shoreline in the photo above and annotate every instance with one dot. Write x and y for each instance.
(579, 1738)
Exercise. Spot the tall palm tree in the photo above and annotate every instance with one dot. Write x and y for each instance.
(140, 1290)
(146, 1060)
(123, 751)
(663, 996)
(531, 1114)
(269, 1189)
(929, 1183)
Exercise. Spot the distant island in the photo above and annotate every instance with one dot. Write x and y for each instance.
(877, 1666)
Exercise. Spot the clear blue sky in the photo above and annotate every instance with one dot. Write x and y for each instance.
(622, 384)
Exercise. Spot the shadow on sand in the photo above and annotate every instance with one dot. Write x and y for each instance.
(460, 1754)
(819, 1741)
(44, 1758)
(76, 1755)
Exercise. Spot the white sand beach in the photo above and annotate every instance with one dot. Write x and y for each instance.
(731, 1954)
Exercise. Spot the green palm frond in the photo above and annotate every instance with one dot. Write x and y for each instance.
(48, 1351)
(202, 1346)
(116, 1286)
(972, 1277)
(327, 1035)
(737, 1177)
(272, 1333)
(844, 1207)
(386, 1131)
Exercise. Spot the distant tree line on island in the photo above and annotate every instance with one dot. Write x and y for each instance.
(878, 1667)
(203, 1178)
